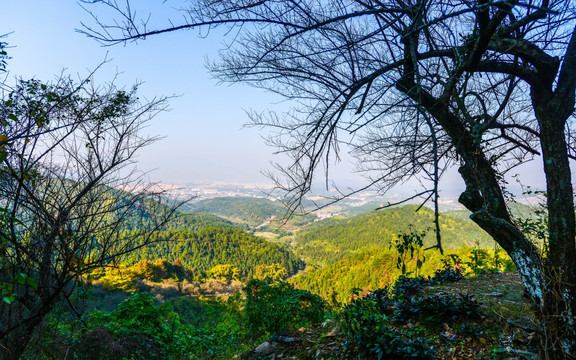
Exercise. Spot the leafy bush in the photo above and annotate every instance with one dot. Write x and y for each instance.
(274, 307)
(370, 336)
(479, 261)
(439, 307)
(369, 311)
(389, 343)
(447, 275)
(138, 327)
(413, 243)
(409, 286)
(406, 286)
(451, 270)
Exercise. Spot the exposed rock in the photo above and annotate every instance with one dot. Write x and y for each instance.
(495, 294)
(327, 323)
(523, 324)
(334, 332)
(288, 339)
(265, 348)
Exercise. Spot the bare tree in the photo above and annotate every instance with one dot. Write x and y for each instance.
(419, 85)
(68, 192)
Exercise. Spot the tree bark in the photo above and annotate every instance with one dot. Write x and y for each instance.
(557, 313)
(18, 339)
(550, 282)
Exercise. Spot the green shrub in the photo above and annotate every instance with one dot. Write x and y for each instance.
(438, 307)
(413, 243)
(370, 336)
(274, 307)
(407, 286)
(138, 327)
(447, 275)
(479, 261)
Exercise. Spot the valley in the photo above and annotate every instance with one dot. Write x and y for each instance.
(200, 264)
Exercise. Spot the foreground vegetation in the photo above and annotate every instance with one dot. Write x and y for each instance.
(207, 289)
(387, 304)
(444, 316)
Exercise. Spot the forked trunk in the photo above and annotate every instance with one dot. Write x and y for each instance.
(550, 287)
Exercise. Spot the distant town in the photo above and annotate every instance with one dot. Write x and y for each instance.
(203, 191)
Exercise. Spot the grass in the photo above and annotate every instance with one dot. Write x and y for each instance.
(502, 294)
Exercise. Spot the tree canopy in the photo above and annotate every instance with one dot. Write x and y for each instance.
(67, 190)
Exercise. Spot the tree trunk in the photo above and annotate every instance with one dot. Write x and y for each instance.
(14, 343)
(549, 281)
(557, 313)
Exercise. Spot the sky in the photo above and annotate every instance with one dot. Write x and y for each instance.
(204, 139)
(203, 136)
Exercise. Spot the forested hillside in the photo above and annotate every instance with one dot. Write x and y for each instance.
(377, 268)
(330, 240)
(198, 220)
(211, 246)
(253, 212)
(517, 210)
(250, 211)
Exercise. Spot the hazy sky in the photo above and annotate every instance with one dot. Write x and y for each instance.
(203, 141)
(203, 137)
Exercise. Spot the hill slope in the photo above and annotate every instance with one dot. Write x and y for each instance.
(330, 240)
(211, 246)
(377, 268)
(517, 210)
(198, 220)
(252, 212)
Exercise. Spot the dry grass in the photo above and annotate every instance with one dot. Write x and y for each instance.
(266, 235)
(501, 294)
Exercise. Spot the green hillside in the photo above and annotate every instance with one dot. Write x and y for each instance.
(197, 221)
(357, 210)
(330, 240)
(462, 214)
(517, 210)
(211, 246)
(376, 268)
(370, 269)
(253, 212)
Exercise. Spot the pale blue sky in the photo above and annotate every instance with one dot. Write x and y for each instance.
(203, 137)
